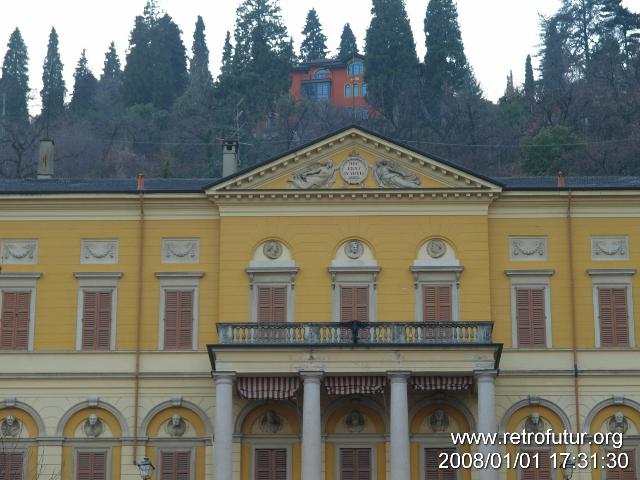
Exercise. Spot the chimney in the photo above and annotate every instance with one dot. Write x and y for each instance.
(229, 157)
(560, 180)
(140, 181)
(45, 159)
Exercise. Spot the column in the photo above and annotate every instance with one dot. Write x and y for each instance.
(399, 426)
(223, 430)
(487, 423)
(311, 430)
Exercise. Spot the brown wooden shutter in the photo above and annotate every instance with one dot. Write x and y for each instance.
(175, 465)
(96, 320)
(614, 318)
(14, 322)
(272, 304)
(355, 464)
(271, 464)
(531, 317)
(178, 319)
(91, 466)
(11, 466)
(437, 303)
(354, 304)
(432, 461)
(628, 473)
(543, 470)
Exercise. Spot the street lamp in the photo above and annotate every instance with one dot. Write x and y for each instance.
(146, 468)
(569, 467)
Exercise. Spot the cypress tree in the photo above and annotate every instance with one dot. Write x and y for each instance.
(227, 56)
(314, 45)
(170, 77)
(199, 65)
(138, 68)
(445, 62)
(15, 79)
(84, 87)
(391, 65)
(53, 85)
(529, 82)
(111, 69)
(348, 45)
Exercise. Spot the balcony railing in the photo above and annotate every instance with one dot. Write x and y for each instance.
(356, 333)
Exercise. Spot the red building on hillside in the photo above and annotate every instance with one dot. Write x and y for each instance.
(338, 81)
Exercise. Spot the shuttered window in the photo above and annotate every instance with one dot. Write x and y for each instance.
(543, 464)
(96, 320)
(355, 464)
(11, 466)
(175, 465)
(354, 304)
(271, 464)
(14, 322)
(629, 473)
(272, 304)
(178, 319)
(91, 466)
(432, 461)
(436, 303)
(614, 317)
(531, 317)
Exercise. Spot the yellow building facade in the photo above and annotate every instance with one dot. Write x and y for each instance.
(335, 313)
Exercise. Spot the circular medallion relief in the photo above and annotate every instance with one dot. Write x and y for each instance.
(353, 249)
(272, 249)
(354, 170)
(436, 248)
(355, 421)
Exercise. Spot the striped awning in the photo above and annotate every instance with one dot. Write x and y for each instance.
(350, 385)
(441, 382)
(268, 388)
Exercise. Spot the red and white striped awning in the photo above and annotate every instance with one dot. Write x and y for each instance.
(441, 382)
(354, 385)
(268, 388)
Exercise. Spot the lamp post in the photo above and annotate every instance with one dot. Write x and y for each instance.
(146, 468)
(567, 471)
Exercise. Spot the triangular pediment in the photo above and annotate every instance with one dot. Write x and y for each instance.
(355, 158)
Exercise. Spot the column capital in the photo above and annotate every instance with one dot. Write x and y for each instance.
(398, 375)
(311, 376)
(223, 377)
(485, 375)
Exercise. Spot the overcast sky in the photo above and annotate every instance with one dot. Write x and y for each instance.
(497, 34)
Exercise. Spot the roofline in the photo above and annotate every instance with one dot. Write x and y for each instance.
(566, 189)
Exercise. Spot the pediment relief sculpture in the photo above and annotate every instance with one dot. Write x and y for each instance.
(318, 175)
(389, 174)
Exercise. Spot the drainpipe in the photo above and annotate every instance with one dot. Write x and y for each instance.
(136, 376)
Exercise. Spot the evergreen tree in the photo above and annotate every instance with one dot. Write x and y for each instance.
(391, 65)
(170, 77)
(227, 56)
(111, 69)
(554, 71)
(253, 14)
(348, 45)
(314, 45)
(138, 68)
(445, 62)
(53, 85)
(199, 66)
(15, 79)
(510, 90)
(529, 82)
(84, 87)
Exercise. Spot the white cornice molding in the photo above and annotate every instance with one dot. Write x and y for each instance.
(179, 274)
(97, 275)
(20, 275)
(594, 272)
(532, 272)
(437, 269)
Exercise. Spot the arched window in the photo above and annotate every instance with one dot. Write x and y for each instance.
(347, 90)
(322, 73)
(364, 89)
(356, 90)
(356, 68)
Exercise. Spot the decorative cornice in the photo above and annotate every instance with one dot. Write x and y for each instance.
(436, 269)
(611, 271)
(354, 269)
(179, 274)
(20, 275)
(544, 272)
(97, 275)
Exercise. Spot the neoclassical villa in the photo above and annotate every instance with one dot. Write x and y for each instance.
(334, 313)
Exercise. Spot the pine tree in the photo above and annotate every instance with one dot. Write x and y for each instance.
(529, 82)
(554, 70)
(111, 69)
(199, 66)
(170, 77)
(446, 67)
(53, 85)
(227, 56)
(314, 45)
(15, 80)
(348, 45)
(262, 14)
(138, 68)
(510, 90)
(84, 87)
(391, 66)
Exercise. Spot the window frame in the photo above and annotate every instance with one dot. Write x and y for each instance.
(534, 278)
(24, 451)
(437, 275)
(173, 448)
(631, 443)
(351, 70)
(278, 273)
(78, 450)
(354, 276)
(432, 444)
(613, 278)
(537, 449)
(179, 281)
(356, 445)
(97, 282)
(22, 282)
(275, 444)
(347, 91)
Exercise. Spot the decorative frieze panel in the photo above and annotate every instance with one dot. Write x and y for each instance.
(528, 249)
(19, 252)
(180, 250)
(609, 248)
(99, 251)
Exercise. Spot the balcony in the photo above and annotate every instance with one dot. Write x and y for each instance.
(352, 334)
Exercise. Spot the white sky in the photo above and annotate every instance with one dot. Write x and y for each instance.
(497, 34)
